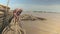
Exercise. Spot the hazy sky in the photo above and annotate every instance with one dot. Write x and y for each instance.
(32, 5)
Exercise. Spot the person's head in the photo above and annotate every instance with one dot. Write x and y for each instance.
(18, 11)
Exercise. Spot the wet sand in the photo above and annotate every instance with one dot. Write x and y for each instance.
(49, 26)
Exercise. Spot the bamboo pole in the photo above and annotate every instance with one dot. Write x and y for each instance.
(6, 13)
(7, 5)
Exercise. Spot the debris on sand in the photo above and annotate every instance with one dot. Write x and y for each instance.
(30, 17)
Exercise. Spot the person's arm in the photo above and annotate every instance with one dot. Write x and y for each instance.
(15, 15)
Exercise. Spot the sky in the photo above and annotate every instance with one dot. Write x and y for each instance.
(34, 5)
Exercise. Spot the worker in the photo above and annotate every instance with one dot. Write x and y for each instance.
(16, 14)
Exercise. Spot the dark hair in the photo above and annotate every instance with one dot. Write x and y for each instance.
(19, 12)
